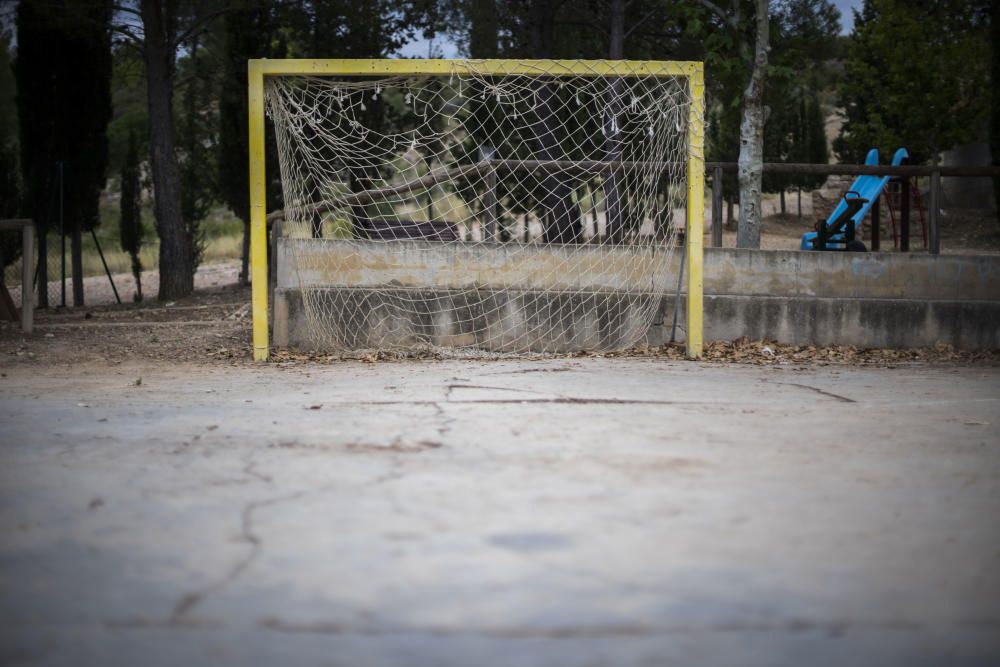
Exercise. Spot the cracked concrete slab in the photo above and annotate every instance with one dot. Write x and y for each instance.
(558, 512)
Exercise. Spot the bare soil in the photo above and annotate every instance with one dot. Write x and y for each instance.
(962, 232)
(213, 326)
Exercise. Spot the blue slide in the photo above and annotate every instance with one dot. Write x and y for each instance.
(856, 203)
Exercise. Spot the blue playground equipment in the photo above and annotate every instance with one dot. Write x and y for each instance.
(838, 232)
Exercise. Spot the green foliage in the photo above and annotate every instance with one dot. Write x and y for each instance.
(995, 94)
(196, 126)
(915, 73)
(63, 73)
(10, 199)
(250, 31)
(350, 28)
(10, 178)
(128, 102)
(804, 40)
(130, 221)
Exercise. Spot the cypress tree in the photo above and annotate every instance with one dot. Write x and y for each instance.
(10, 181)
(194, 128)
(130, 223)
(63, 73)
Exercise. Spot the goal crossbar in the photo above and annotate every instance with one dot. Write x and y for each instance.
(693, 72)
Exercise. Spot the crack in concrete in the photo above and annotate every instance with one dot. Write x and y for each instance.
(842, 399)
(488, 388)
(558, 369)
(507, 401)
(446, 422)
(832, 627)
(192, 599)
(250, 469)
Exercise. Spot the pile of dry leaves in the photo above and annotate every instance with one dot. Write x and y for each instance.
(742, 350)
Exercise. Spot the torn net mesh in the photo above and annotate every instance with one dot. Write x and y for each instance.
(502, 213)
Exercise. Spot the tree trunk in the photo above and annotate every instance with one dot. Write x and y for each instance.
(799, 190)
(751, 160)
(137, 274)
(245, 255)
(995, 89)
(42, 280)
(613, 205)
(563, 224)
(782, 198)
(563, 213)
(176, 259)
(483, 29)
(76, 260)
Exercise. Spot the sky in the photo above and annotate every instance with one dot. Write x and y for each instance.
(846, 17)
(442, 48)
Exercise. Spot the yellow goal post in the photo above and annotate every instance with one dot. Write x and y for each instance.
(692, 72)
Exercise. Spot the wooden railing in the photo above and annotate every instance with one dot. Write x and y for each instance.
(903, 173)
(489, 168)
(27, 229)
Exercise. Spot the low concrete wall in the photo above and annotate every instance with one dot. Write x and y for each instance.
(871, 275)
(495, 320)
(891, 323)
(868, 300)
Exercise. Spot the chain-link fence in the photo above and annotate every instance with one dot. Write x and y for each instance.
(53, 278)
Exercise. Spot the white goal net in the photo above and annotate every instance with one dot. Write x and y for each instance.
(476, 210)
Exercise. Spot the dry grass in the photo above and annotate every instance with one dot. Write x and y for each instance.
(218, 249)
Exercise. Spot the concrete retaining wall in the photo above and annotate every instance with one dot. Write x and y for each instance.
(868, 300)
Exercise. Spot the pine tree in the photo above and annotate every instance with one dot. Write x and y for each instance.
(195, 133)
(915, 73)
(249, 32)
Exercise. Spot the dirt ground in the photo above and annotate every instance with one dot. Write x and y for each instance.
(962, 232)
(213, 325)
(212, 328)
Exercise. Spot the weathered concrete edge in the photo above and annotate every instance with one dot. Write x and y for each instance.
(870, 323)
(889, 323)
(424, 265)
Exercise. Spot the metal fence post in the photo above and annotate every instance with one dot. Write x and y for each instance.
(27, 277)
(904, 216)
(876, 224)
(490, 205)
(934, 240)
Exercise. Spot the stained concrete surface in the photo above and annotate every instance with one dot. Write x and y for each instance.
(558, 512)
(503, 297)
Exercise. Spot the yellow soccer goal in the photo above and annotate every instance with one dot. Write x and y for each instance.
(475, 206)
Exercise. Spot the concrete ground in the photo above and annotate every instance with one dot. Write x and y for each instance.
(559, 512)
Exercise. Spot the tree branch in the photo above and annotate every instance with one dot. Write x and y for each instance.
(130, 37)
(726, 17)
(126, 10)
(582, 24)
(640, 22)
(200, 23)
